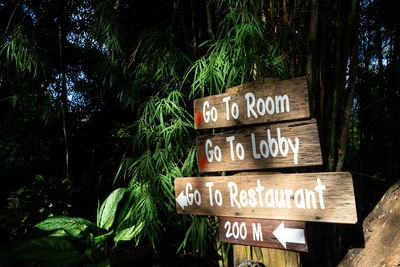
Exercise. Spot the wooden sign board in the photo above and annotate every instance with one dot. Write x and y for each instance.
(318, 197)
(289, 235)
(292, 144)
(265, 103)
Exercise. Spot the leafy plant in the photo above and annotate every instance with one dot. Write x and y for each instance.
(36, 200)
(241, 52)
(72, 240)
(162, 136)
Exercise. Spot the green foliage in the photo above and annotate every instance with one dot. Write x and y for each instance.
(162, 134)
(161, 144)
(48, 251)
(202, 234)
(241, 52)
(106, 213)
(72, 240)
(106, 28)
(72, 226)
(37, 199)
(20, 51)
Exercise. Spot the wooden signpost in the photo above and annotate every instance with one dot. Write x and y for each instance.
(266, 103)
(289, 235)
(292, 144)
(317, 197)
(267, 210)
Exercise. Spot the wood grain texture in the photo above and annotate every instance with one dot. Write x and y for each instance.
(309, 151)
(296, 90)
(338, 196)
(267, 227)
(252, 84)
(269, 257)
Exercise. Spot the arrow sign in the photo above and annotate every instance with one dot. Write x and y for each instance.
(289, 235)
(314, 197)
(182, 200)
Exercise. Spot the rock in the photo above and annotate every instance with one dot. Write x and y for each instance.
(381, 233)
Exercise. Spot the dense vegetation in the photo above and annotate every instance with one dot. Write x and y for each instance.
(96, 107)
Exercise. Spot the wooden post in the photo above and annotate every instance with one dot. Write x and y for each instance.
(270, 257)
(267, 256)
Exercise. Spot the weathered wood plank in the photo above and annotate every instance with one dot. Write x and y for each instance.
(292, 144)
(262, 103)
(319, 197)
(261, 232)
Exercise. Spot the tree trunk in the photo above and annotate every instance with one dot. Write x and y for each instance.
(194, 39)
(209, 21)
(303, 33)
(312, 47)
(184, 28)
(351, 87)
(64, 98)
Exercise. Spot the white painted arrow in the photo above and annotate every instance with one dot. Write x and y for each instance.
(182, 200)
(289, 235)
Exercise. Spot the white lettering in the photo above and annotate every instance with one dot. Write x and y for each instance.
(233, 192)
(230, 140)
(218, 197)
(281, 141)
(235, 111)
(272, 142)
(210, 185)
(226, 100)
(214, 114)
(261, 107)
(197, 197)
(228, 232)
(270, 102)
(299, 204)
(253, 146)
(259, 189)
(295, 148)
(264, 149)
(206, 114)
(209, 154)
(253, 200)
(240, 151)
(269, 198)
(189, 196)
(249, 105)
(257, 233)
(282, 100)
(280, 203)
(288, 192)
(319, 189)
(243, 198)
(243, 230)
(310, 197)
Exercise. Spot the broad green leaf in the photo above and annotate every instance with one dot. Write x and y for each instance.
(106, 214)
(129, 233)
(73, 226)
